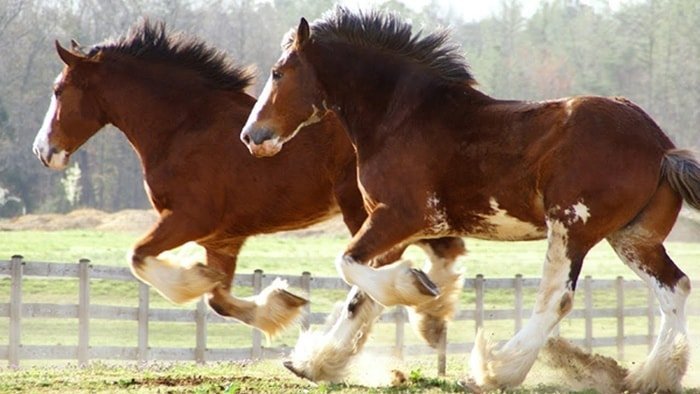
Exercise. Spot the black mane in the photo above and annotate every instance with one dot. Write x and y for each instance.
(153, 42)
(388, 32)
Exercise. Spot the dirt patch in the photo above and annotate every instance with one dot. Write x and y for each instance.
(581, 370)
(133, 220)
(83, 219)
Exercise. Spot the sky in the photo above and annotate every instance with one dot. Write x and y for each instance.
(473, 10)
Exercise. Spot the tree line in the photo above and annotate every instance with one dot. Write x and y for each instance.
(647, 51)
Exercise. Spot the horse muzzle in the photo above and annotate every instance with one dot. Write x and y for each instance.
(52, 157)
(261, 142)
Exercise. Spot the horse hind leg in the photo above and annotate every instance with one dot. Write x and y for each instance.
(639, 245)
(429, 320)
(497, 368)
(270, 311)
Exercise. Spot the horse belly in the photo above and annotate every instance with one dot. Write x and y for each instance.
(497, 224)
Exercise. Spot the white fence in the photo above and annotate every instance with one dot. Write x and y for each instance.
(85, 312)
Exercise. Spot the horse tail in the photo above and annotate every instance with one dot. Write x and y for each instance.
(682, 171)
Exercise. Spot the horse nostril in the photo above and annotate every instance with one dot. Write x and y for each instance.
(245, 138)
(261, 136)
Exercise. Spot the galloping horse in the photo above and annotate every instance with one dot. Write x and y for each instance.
(437, 157)
(176, 99)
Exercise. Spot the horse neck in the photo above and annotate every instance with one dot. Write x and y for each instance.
(150, 113)
(400, 89)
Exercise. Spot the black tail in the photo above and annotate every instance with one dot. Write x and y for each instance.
(682, 170)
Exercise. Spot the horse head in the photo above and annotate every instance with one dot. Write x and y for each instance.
(291, 99)
(74, 114)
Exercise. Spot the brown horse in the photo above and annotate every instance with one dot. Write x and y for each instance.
(437, 157)
(176, 100)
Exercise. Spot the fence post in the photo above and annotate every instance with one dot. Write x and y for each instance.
(84, 267)
(620, 339)
(479, 299)
(256, 351)
(399, 318)
(143, 322)
(588, 312)
(442, 353)
(306, 287)
(518, 302)
(201, 333)
(16, 269)
(650, 318)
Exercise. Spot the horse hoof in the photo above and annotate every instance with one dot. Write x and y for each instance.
(424, 284)
(290, 366)
(470, 386)
(292, 300)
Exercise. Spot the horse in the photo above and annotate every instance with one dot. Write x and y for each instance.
(176, 99)
(438, 157)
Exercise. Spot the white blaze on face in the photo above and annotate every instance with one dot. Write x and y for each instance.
(42, 147)
(262, 99)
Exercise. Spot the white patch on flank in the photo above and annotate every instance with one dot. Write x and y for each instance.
(582, 211)
(576, 212)
(435, 216)
(498, 225)
(508, 366)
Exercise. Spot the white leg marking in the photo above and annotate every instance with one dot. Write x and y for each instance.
(327, 354)
(177, 283)
(667, 362)
(509, 365)
(392, 284)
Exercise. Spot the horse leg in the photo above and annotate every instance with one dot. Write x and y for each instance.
(508, 366)
(271, 311)
(326, 354)
(173, 281)
(391, 284)
(639, 246)
(429, 320)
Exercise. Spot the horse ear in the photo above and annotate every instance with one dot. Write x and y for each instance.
(76, 47)
(68, 57)
(302, 33)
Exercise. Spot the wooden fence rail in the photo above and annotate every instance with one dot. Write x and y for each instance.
(17, 269)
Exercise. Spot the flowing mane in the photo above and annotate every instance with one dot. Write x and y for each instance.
(153, 42)
(389, 33)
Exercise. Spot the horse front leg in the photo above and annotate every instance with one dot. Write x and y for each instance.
(397, 283)
(270, 311)
(177, 282)
(326, 354)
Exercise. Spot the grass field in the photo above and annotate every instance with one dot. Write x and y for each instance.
(284, 255)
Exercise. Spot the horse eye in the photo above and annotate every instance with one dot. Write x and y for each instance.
(276, 75)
